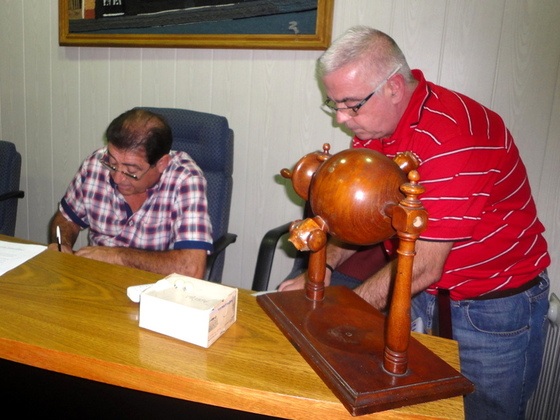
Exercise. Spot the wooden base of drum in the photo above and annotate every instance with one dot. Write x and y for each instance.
(342, 338)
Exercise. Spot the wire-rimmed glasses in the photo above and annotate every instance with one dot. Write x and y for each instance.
(113, 169)
(331, 105)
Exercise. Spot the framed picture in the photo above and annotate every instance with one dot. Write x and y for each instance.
(249, 24)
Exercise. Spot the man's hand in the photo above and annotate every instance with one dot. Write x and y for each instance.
(63, 248)
(99, 253)
(293, 284)
(69, 233)
(298, 282)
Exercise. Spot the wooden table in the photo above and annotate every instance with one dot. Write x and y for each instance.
(71, 315)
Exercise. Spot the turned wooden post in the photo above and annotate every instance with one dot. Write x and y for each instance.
(409, 219)
(315, 287)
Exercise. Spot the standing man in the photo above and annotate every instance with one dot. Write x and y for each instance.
(483, 246)
(145, 205)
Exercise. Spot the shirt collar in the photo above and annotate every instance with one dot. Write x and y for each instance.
(413, 114)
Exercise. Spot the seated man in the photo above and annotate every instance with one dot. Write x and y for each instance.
(145, 205)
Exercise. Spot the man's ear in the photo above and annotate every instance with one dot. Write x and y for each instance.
(397, 84)
(163, 163)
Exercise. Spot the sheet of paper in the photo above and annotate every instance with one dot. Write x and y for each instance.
(13, 254)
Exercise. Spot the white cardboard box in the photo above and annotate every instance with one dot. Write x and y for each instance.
(192, 310)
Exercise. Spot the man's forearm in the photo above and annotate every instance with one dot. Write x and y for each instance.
(189, 262)
(428, 267)
(338, 252)
(375, 290)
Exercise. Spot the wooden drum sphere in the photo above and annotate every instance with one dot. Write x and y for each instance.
(305, 169)
(354, 192)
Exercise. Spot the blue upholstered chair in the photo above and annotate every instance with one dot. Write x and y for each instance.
(208, 139)
(10, 170)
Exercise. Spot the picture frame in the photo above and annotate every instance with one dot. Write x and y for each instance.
(318, 40)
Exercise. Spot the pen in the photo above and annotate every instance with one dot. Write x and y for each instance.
(58, 238)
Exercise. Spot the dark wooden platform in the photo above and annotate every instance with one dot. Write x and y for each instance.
(342, 338)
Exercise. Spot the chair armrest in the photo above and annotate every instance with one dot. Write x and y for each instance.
(266, 257)
(11, 194)
(219, 246)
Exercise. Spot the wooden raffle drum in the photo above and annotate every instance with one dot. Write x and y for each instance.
(360, 197)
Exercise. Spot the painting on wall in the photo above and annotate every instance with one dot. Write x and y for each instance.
(260, 24)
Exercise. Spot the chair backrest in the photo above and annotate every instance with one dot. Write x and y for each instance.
(10, 171)
(208, 139)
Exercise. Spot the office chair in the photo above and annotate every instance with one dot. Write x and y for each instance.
(367, 260)
(265, 257)
(208, 139)
(10, 171)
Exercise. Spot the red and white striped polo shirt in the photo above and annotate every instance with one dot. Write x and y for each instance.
(477, 191)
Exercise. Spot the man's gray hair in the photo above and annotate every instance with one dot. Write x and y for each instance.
(369, 48)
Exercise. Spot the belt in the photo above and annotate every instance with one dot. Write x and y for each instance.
(509, 292)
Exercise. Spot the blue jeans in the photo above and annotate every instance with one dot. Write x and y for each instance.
(501, 344)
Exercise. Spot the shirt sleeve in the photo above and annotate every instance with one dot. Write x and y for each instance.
(192, 227)
(73, 205)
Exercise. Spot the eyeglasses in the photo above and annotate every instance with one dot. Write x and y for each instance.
(112, 168)
(331, 105)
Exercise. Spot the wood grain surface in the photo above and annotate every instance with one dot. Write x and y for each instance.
(71, 315)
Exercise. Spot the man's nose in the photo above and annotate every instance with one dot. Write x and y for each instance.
(342, 117)
(119, 177)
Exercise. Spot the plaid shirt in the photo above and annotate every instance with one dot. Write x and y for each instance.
(174, 215)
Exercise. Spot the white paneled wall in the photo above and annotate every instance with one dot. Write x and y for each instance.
(55, 102)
